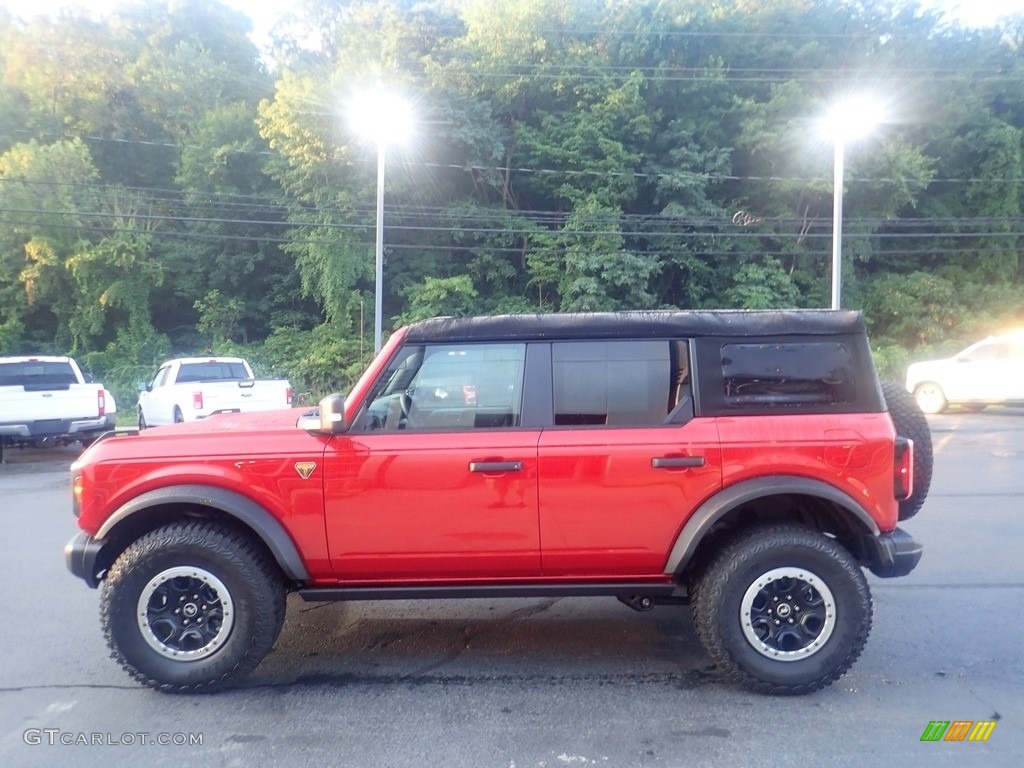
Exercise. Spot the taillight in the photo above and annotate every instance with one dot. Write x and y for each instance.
(197, 401)
(288, 396)
(903, 468)
(101, 402)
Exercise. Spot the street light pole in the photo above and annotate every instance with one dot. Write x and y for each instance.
(378, 304)
(837, 226)
(384, 119)
(846, 121)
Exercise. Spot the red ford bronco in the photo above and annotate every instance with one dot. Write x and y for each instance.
(747, 463)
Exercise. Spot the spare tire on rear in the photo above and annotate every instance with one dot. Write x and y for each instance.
(910, 422)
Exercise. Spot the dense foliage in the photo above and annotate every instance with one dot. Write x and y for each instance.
(164, 187)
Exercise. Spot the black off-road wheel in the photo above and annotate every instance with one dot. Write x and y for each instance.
(783, 609)
(910, 422)
(191, 607)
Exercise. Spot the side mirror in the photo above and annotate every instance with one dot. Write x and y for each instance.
(332, 415)
(142, 386)
(87, 377)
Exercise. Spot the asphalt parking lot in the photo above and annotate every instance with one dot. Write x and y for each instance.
(551, 682)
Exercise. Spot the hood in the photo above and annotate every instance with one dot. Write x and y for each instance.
(258, 421)
(228, 434)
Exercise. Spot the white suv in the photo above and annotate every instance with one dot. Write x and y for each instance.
(987, 373)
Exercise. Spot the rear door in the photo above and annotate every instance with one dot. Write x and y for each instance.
(625, 461)
(437, 479)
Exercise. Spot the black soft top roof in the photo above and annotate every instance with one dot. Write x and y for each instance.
(646, 324)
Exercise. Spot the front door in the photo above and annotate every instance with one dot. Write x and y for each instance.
(436, 480)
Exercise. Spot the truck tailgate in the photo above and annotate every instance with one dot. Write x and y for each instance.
(75, 401)
(245, 396)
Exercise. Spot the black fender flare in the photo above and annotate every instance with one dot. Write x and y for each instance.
(726, 500)
(243, 509)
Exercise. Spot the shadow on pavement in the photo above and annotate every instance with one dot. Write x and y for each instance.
(35, 459)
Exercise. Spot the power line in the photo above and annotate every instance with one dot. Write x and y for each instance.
(744, 232)
(532, 237)
(719, 224)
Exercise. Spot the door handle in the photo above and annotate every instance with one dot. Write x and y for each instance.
(677, 462)
(495, 466)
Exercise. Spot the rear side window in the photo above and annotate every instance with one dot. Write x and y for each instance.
(619, 383)
(788, 374)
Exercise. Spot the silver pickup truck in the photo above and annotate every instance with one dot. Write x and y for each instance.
(49, 400)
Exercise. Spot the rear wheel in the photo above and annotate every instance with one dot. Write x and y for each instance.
(192, 606)
(783, 609)
(930, 398)
(910, 422)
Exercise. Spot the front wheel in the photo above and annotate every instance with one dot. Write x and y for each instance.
(142, 420)
(783, 609)
(192, 606)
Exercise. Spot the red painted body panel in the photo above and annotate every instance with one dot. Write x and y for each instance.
(605, 510)
(405, 505)
(821, 447)
(251, 454)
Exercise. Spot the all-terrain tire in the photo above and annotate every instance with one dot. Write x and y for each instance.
(783, 609)
(910, 422)
(165, 585)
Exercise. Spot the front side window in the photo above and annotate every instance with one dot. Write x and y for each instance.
(161, 377)
(620, 383)
(450, 387)
(986, 353)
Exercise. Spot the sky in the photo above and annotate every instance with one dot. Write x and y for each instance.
(977, 13)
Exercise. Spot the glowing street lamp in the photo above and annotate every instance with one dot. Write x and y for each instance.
(386, 119)
(847, 121)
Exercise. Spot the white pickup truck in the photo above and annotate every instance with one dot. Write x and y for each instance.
(48, 400)
(191, 388)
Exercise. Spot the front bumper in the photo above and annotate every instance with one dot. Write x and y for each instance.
(83, 555)
(890, 554)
